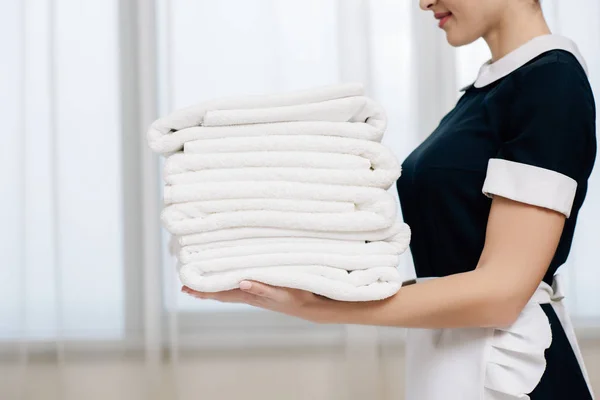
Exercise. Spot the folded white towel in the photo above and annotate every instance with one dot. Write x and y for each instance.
(338, 284)
(374, 208)
(344, 270)
(325, 110)
(395, 244)
(346, 255)
(298, 205)
(348, 262)
(227, 164)
(397, 234)
(258, 241)
(317, 159)
(350, 109)
(356, 130)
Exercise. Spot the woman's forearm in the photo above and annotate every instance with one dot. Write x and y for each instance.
(470, 299)
(520, 242)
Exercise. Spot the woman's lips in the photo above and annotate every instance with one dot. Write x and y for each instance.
(443, 17)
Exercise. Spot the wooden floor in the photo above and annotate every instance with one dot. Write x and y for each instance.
(298, 375)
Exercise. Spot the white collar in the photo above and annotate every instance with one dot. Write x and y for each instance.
(491, 72)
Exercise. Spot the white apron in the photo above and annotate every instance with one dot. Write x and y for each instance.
(487, 363)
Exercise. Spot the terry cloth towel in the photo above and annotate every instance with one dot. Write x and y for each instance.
(285, 255)
(352, 269)
(251, 235)
(365, 208)
(316, 159)
(338, 284)
(296, 251)
(338, 110)
(398, 242)
(255, 235)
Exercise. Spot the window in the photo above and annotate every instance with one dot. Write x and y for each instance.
(67, 267)
(61, 163)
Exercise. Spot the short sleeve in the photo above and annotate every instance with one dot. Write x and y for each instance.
(543, 156)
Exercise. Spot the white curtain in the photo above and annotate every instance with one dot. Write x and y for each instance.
(89, 302)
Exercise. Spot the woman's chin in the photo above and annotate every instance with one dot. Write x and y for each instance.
(455, 39)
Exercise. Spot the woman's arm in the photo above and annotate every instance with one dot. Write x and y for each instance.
(520, 242)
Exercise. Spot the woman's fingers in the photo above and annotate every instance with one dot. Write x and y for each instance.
(229, 296)
(293, 302)
(262, 290)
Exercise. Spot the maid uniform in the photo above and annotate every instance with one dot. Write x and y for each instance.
(524, 130)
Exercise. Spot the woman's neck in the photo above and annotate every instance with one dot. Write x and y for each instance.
(515, 29)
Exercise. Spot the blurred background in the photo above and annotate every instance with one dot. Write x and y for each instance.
(89, 301)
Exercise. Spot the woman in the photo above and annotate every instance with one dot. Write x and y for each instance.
(492, 197)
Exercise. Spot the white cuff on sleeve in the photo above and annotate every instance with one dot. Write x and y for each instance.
(529, 184)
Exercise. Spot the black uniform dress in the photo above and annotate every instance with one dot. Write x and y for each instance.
(525, 130)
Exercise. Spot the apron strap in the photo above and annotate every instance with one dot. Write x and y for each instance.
(558, 289)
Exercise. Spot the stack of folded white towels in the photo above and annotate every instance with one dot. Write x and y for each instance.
(286, 189)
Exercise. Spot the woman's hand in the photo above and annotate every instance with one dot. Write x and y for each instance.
(294, 302)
